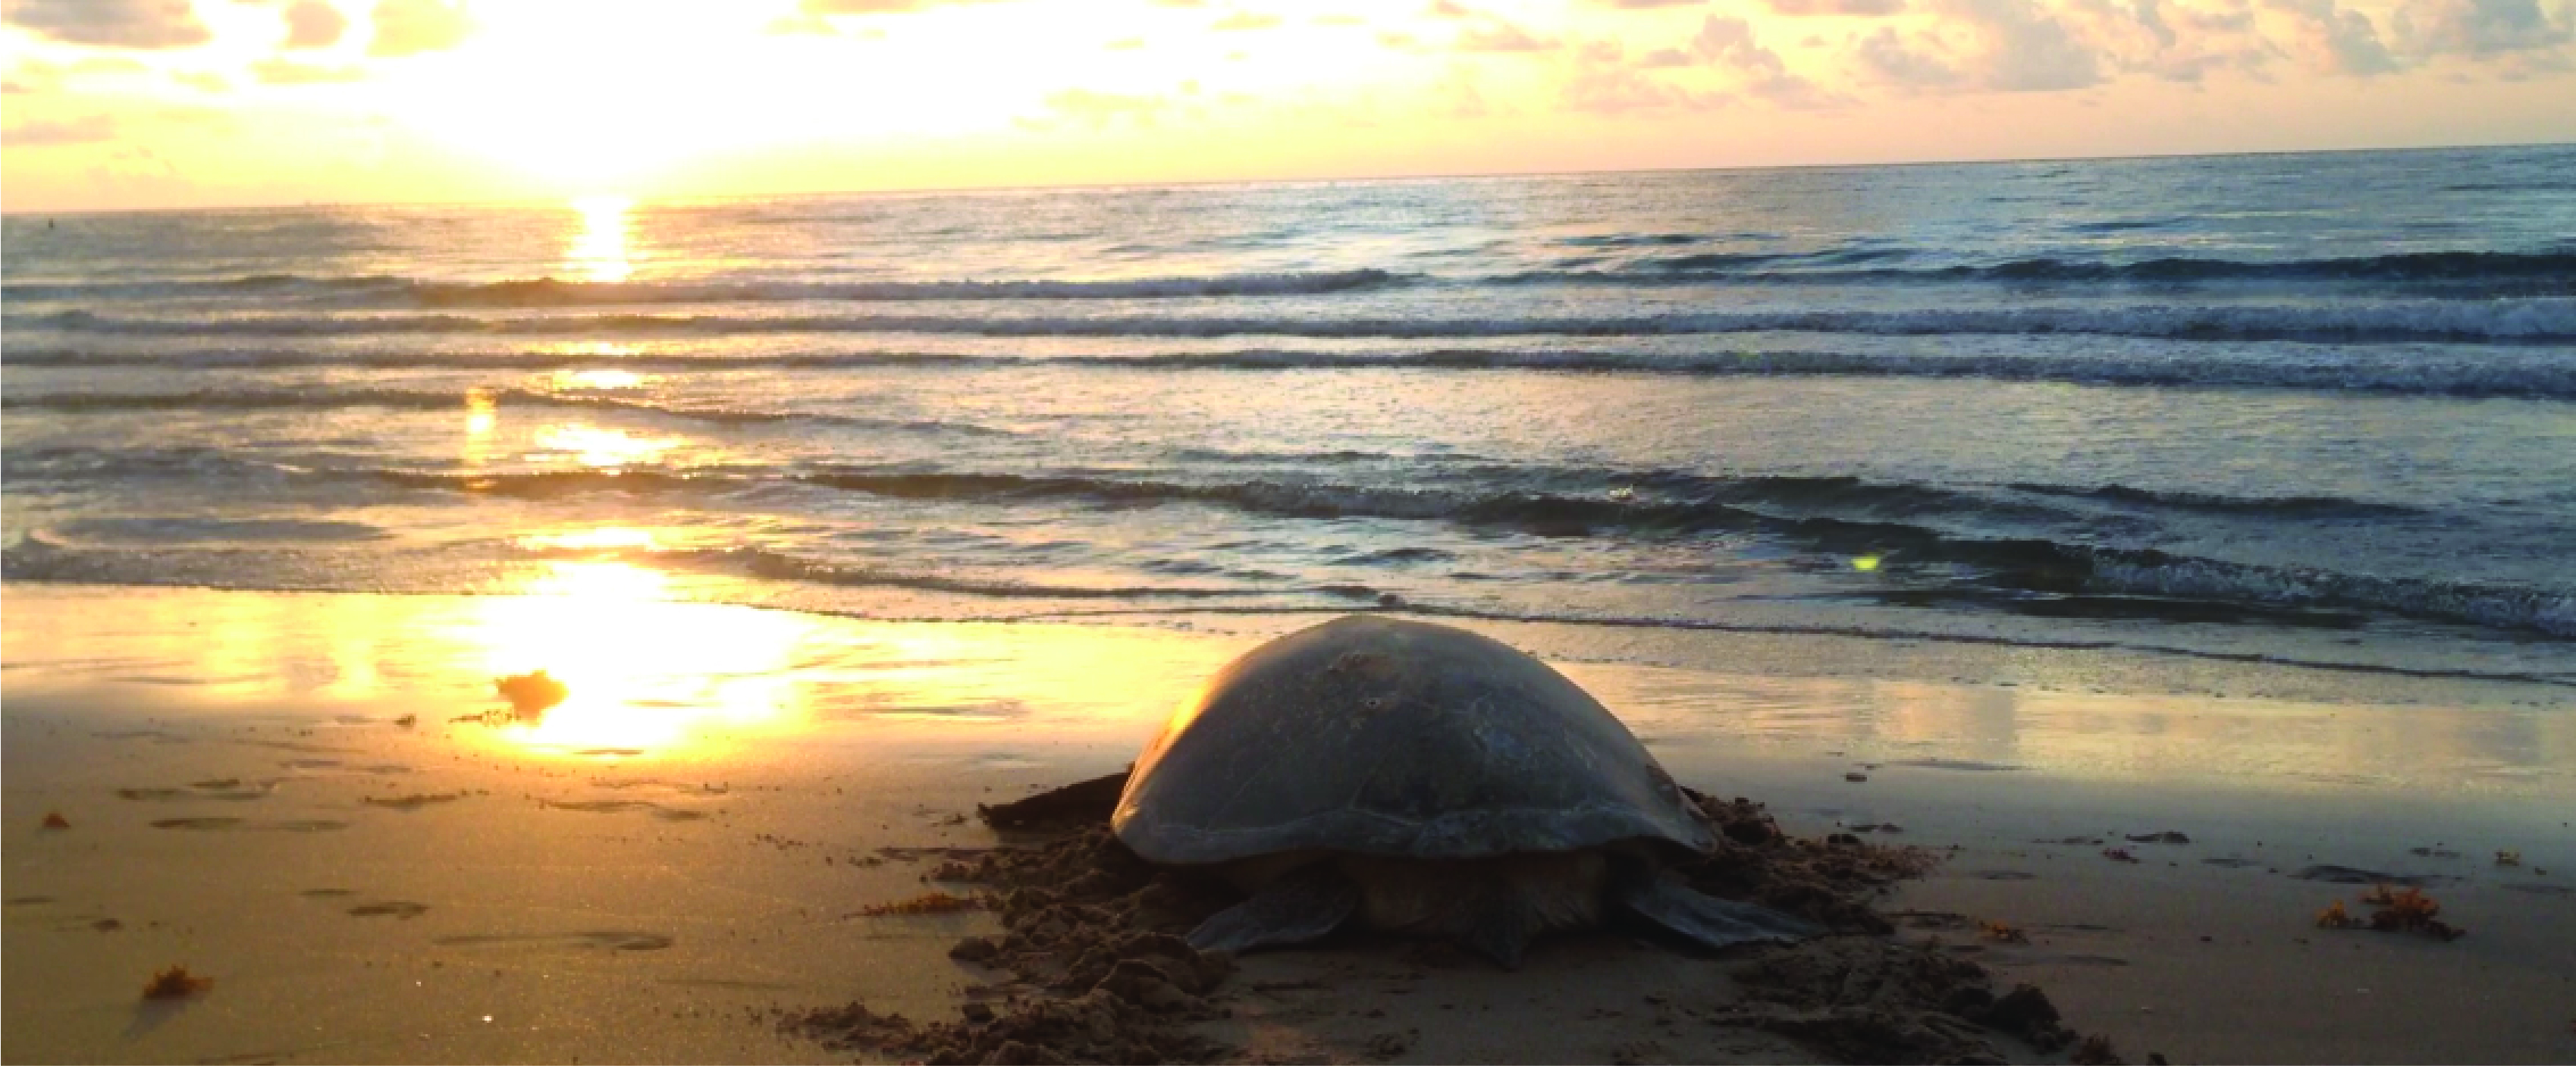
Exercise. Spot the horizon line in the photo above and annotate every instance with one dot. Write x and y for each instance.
(1103, 186)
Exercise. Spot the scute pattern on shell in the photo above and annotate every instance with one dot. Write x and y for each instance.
(1384, 736)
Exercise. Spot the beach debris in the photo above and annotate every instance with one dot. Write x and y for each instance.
(531, 693)
(2002, 933)
(2166, 837)
(1880, 827)
(407, 721)
(2408, 910)
(2435, 852)
(2095, 1050)
(175, 982)
(55, 820)
(2118, 855)
(2335, 917)
(1855, 776)
(928, 903)
(2506, 857)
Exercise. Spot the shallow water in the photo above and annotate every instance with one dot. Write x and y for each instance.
(2183, 404)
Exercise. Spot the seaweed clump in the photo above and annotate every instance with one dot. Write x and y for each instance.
(1831, 881)
(175, 982)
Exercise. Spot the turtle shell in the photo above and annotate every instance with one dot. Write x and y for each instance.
(1382, 736)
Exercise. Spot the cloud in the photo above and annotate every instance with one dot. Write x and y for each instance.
(1992, 45)
(890, 7)
(110, 23)
(1499, 37)
(2329, 38)
(1864, 8)
(1887, 59)
(2480, 28)
(410, 27)
(1125, 44)
(800, 25)
(1643, 5)
(1448, 9)
(1728, 42)
(37, 133)
(1338, 20)
(283, 71)
(314, 24)
(1245, 20)
(1615, 90)
(204, 81)
(1100, 109)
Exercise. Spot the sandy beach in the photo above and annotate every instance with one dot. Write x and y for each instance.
(303, 799)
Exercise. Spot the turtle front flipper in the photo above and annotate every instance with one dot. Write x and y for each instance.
(1302, 906)
(1707, 920)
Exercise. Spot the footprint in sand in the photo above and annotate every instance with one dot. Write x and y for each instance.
(394, 908)
(604, 940)
(228, 789)
(667, 814)
(204, 825)
(412, 802)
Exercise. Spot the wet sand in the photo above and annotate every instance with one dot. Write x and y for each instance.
(682, 853)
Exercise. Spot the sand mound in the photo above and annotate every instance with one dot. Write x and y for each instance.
(1094, 968)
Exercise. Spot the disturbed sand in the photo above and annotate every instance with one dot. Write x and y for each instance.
(386, 872)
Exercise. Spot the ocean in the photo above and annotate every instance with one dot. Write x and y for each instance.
(2303, 408)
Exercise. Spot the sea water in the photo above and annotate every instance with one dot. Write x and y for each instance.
(2311, 408)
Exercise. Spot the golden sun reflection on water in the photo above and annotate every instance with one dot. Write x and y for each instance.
(636, 682)
(595, 447)
(599, 249)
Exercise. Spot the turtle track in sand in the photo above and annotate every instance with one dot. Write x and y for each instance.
(1090, 965)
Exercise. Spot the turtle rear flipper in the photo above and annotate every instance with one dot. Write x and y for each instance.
(1294, 909)
(1707, 920)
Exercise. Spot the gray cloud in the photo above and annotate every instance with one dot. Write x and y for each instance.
(1728, 42)
(2480, 28)
(2333, 39)
(314, 24)
(410, 27)
(37, 133)
(110, 23)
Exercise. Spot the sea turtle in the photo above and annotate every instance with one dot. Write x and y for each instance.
(1430, 781)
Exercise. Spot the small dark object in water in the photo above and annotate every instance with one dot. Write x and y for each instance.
(532, 692)
(2166, 837)
(2118, 855)
(175, 983)
(55, 820)
(1855, 777)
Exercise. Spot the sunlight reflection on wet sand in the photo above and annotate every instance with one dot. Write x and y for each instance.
(663, 679)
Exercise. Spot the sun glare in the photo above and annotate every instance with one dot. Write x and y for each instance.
(599, 247)
(636, 681)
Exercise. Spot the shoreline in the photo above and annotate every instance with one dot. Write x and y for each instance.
(690, 850)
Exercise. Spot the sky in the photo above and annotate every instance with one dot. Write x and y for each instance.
(117, 104)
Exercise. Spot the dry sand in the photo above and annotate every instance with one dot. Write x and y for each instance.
(684, 854)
